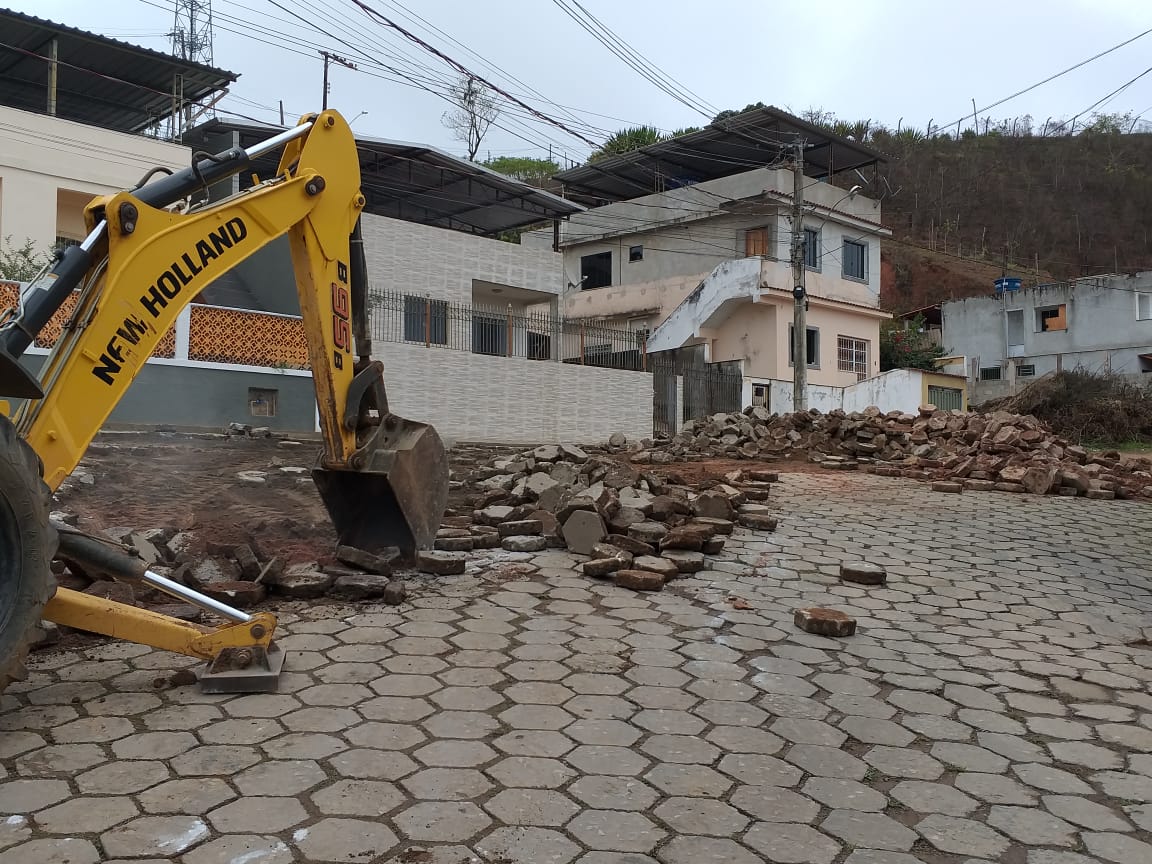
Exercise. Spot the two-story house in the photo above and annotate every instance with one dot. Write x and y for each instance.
(1098, 323)
(689, 246)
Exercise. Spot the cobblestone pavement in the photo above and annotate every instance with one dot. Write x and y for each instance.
(994, 707)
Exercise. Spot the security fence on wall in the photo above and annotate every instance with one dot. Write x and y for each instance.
(507, 332)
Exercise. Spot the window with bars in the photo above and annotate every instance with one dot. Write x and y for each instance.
(1143, 306)
(990, 373)
(420, 326)
(852, 355)
(1026, 370)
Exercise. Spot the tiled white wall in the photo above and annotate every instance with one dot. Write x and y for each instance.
(473, 397)
(416, 259)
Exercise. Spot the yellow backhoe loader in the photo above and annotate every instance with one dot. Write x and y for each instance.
(149, 251)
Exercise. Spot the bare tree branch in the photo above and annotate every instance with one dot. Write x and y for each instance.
(475, 112)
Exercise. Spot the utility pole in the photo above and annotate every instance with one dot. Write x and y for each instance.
(799, 312)
(328, 55)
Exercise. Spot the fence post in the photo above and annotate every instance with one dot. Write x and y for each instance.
(508, 336)
(643, 353)
(581, 344)
(427, 321)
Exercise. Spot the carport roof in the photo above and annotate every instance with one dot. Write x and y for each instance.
(418, 183)
(751, 139)
(100, 81)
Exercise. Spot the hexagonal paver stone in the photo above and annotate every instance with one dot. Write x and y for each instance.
(826, 761)
(873, 731)
(121, 778)
(601, 792)
(693, 781)
(1051, 779)
(1119, 784)
(442, 820)
(534, 807)
(28, 796)
(455, 754)
(788, 843)
(742, 739)
(701, 816)
(214, 761)
(188, 797)
(1085, 813)
(868, 830)
(527, 844)
(52, 852)
(154, 745)
(1032, 826)
(669, 722)
(800, 731)
(933, 798)
(280, 777)
(85, 815)
(250, 849)
(531, 772)
(266, 705)
(757, 770)
(968, 757)
(1117, 847)
(372, 764)
(961, 836)
(358, 798)
(996, 789)
(1082, 753)
(60, 759)
(247, 730)
(773, 804)
(683, 749)
(607, 760)
(545, 717)
(705, 850)
(93, 729)
(895, 762)
(151, 835)
(344, 841)
(842, 794)
(874, 856)
(251, 814)
(604, 732)
(614, 831)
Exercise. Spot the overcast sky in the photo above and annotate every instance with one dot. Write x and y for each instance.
(888, 60)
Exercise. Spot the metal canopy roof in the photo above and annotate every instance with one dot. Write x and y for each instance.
(751, 139)
(100, 81)
(418, 183)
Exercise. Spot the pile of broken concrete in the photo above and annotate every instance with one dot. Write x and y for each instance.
(641, 529)
(959, 450)
(240, 575)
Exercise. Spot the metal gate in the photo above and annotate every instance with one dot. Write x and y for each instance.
(946, 398)
(684, 392)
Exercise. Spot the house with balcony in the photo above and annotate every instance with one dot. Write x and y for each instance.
(687, 243)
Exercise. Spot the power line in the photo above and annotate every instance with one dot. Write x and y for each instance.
(1063, 72)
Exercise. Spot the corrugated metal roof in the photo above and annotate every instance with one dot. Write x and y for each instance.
(100, 81)
(418, 183)
(751, 139)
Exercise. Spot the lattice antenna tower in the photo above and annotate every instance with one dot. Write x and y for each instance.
(191, 40)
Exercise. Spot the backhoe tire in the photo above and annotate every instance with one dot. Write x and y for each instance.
(27, 544)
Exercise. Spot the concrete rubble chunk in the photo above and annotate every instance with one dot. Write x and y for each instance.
(863, 573)
(685, 560)
(1040, 481)
(539, 483)
(825, 622)
(572, 453)
(301, 581)
(582, 530)
(663, 566)
(454, 544)
(617, 439)
(715, 505)
(441, 563)
(493, 515)
(639, 580)
(757, 521)
(249, 564)
(718, 526)
(947, 486)
(242, 595)
(521, 527)
(599, 568)
(359, 586)
(546, 453)
(631, 544)
(380, 563)
(647, 532)
(525, 543)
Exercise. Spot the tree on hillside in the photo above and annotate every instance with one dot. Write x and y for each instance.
(475, 112)
(724, 115)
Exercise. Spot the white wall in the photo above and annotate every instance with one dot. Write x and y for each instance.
(473, 397)
(421, 260)
(41, 155)
(895, 390)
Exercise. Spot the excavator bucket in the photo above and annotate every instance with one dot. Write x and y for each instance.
(396, 497)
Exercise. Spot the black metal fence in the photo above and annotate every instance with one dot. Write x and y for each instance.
(707, 389)
(507, 332)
